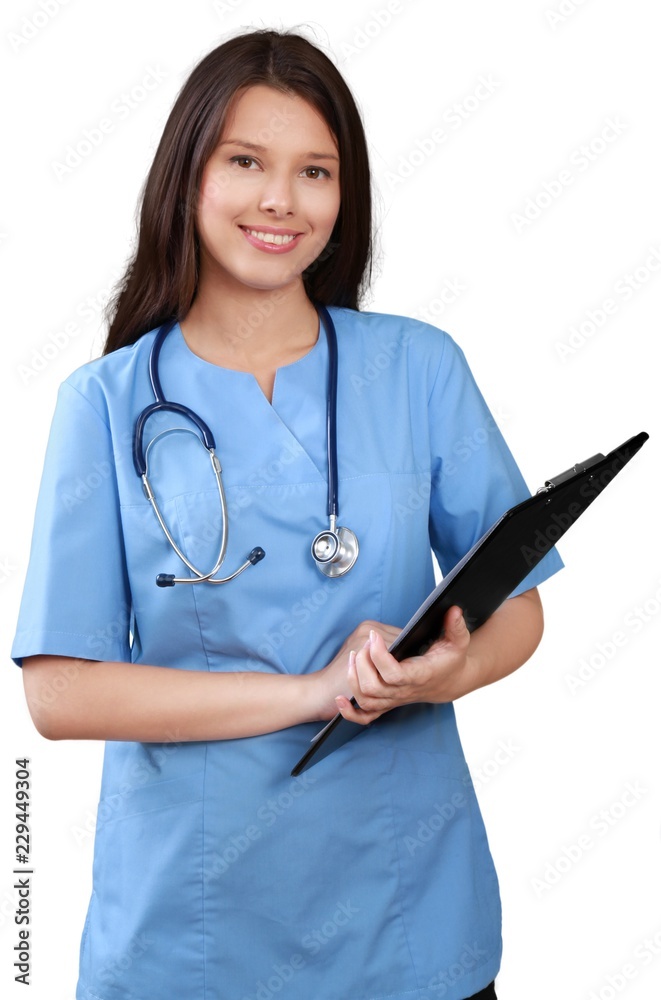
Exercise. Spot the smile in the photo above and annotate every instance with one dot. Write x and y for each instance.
(277, 238)
(271, 243)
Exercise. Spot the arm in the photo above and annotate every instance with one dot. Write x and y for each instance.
(82, 699)
(85, 699)
(453, 666)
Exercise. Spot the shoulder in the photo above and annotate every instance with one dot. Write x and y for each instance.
(376, 337)
(112, 377)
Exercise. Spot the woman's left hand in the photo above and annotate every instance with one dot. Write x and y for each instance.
(379, 682)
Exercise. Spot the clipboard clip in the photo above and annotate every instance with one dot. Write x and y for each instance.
(562, 477)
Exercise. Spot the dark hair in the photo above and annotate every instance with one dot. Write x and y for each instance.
(161, 277)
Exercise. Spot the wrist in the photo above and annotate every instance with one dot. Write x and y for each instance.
(320, 695)
(470, 677)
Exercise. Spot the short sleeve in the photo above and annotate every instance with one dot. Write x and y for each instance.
(475, 478)
(76, 599)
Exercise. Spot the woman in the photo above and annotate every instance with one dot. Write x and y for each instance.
(217, 876)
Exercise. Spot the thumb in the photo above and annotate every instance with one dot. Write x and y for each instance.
(456, 629)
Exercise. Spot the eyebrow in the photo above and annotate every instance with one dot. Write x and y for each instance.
(262, 149)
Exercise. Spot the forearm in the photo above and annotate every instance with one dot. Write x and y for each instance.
(505, 641)
(86, 699)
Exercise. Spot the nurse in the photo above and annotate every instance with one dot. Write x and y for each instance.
(216, 875)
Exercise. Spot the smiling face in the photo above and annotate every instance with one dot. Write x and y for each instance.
(269, 195)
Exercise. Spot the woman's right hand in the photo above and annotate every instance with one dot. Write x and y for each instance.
(332, 679)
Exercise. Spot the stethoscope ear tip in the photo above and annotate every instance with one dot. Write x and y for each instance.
(256, 555)
(165, 580)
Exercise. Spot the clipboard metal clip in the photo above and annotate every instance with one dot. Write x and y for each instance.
(562, 477)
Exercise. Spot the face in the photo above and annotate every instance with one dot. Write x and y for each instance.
(270, 193)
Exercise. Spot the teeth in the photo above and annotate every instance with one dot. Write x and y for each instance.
(277, 238)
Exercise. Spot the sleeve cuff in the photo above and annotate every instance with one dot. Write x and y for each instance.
(81, 647)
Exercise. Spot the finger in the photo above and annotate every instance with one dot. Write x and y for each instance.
(389, 669)
(362, 633)
(456, 630)
(353, 713)
(389, 633)
(368, 680)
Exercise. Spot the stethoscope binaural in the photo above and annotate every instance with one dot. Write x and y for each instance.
(334, 550)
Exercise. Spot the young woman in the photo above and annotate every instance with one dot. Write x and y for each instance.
(216, 875)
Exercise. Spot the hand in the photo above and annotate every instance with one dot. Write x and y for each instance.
(379, 682)
(333, 679)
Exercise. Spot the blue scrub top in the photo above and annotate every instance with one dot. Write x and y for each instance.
(216, 875)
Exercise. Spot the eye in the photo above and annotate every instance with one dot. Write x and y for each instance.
(314, 172)
(243, 161)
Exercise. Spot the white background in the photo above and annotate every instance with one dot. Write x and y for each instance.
(559, 72)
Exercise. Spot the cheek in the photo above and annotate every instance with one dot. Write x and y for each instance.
(329, 211)
(214, 191)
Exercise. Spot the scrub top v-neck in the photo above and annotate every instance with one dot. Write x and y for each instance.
(216, 873)
(285, 404)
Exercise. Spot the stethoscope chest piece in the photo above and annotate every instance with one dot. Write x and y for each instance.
(335, 550)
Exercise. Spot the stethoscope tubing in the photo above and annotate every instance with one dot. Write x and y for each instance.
(331, 410)
(334, 550)
(162, 404)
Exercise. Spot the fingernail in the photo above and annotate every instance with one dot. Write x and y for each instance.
(372, 636)
(352, 659)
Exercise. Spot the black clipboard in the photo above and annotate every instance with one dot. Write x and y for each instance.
(493, 568)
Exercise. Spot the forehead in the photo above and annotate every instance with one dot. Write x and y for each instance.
(271, 117)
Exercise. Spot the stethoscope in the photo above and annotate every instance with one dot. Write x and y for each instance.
(334, 550)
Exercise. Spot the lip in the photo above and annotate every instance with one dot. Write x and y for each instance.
(272, 248)
(276, 230)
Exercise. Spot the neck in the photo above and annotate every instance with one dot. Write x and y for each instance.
(250, 328)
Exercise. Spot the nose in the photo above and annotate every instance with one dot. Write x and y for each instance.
(277, 194)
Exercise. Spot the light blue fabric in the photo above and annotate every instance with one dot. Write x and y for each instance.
(216, 875)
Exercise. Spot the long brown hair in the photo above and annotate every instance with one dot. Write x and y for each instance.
(161, 277)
